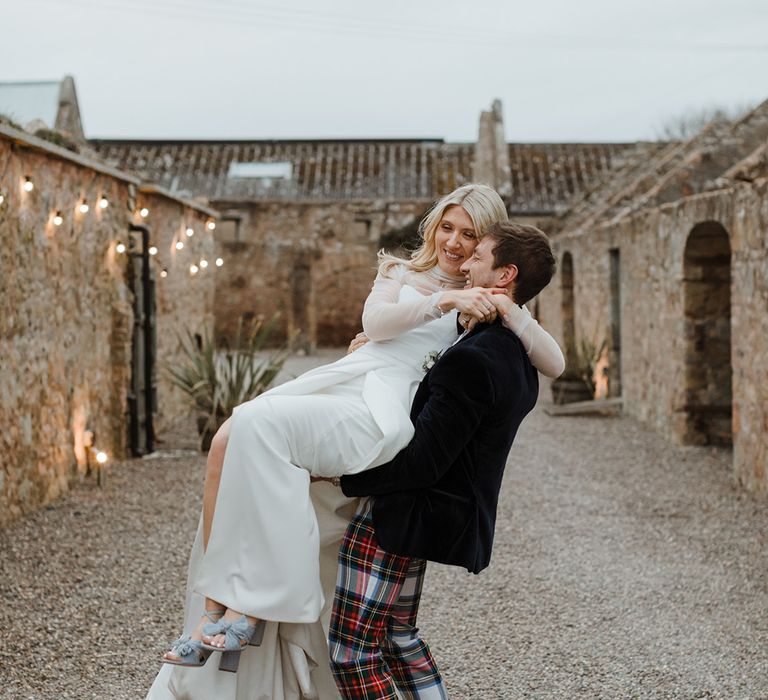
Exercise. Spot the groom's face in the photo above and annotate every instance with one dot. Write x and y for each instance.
(479, 269)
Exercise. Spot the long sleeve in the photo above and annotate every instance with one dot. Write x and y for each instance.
(385, 317)
(461, 392)
(543, 351)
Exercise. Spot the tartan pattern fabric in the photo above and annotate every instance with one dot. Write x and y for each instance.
(376, 651)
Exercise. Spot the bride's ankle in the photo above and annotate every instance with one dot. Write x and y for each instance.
(233, 615)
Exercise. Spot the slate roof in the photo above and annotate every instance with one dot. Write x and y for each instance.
(543, 176)
(722, 151)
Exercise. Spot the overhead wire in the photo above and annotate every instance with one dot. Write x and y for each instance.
(334, 23)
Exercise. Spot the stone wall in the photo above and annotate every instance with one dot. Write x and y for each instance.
(311, 263)
(61, 286)
(664, 380)
(66, 318)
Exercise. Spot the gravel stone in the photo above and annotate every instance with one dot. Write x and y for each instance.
(623, 567)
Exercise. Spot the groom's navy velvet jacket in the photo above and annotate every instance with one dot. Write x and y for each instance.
(437, 498)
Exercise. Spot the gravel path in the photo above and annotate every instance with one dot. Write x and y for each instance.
(623, 568)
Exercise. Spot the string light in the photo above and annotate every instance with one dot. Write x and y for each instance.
(58, 219)
(153, 250)
(193, 269)
(179, 245)
(84, 207)
(103, 202)
(2, 198)
(163, 273)
(120, 247)
(144, 212)
(190, 232)
(28, 184)
(219, 262)
(101, 457)
(211, 225)
(203, 263)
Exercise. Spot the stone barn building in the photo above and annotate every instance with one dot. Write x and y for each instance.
(101, 271)
(302, 220)
(667, 263)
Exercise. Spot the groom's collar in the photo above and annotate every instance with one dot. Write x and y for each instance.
(478, 327)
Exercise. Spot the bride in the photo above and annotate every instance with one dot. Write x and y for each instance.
(263, 564)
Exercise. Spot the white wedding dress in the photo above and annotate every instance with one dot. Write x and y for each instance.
(274, 538)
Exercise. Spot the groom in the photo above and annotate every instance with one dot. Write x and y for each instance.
(436, 500)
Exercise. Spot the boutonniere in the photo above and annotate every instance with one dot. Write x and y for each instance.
(430, 359)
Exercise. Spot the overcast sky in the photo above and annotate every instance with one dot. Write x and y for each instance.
(565, 70)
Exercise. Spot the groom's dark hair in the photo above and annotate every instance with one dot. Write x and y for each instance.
(529, 250)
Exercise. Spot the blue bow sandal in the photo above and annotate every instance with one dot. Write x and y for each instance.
(238, 635)
(190, 651)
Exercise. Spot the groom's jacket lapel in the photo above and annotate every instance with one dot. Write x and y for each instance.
(437, 499)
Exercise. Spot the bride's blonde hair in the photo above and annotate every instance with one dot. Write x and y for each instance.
(481, 202)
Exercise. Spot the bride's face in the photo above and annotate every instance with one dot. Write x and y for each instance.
(455, 239)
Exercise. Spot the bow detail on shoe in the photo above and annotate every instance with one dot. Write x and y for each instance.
(184, 646)
(211, 629)
(189, 651)
(238, 634)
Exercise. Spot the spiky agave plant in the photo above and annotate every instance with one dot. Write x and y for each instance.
(217, 380)
(588, 354)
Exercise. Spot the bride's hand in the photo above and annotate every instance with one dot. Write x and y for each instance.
(467, 322)
(475, 302)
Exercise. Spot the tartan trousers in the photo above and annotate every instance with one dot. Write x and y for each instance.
(375, 648)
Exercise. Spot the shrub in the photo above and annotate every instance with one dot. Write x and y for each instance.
(217, 380)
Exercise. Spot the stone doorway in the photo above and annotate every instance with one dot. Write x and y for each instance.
(707, 309)
(302, 302)
(142, 394)
(567, 310)
(614, 353)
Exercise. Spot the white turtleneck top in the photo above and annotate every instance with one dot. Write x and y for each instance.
(385, 316)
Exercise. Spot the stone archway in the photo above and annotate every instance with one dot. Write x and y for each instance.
(567, 309)
(707, 309)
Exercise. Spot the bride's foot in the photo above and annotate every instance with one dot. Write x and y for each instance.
(241, 630)
(186, 649)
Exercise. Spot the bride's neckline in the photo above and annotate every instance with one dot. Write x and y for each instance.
(443, 279)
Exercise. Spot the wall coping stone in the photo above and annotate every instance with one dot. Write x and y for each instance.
(22, 138)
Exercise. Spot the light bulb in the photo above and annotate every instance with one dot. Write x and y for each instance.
(193, 269)
(84, 207)
(163, 273)
(58, 220)
(2, 198)
(219, 262)
(153, 250)
(144, 212)
(179, 245)
(211, 225)
(103, 202)
(101, 457)
(190, 232)
(120, 247)
(203, 264)
(28, 185)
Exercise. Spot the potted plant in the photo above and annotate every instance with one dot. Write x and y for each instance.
(217, 380)
(577, 383)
